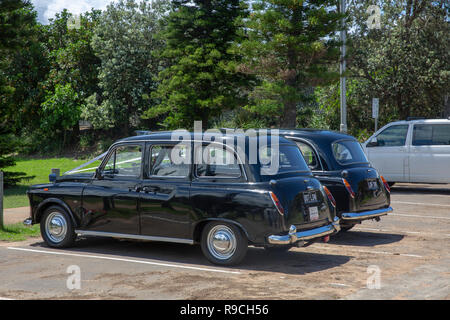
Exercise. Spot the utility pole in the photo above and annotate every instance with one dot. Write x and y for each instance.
(342, 69)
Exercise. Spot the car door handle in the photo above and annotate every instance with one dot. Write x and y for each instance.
(135, 189)
(150, 189)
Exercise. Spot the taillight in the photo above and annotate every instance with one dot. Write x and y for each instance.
(330, 196)
(386, 185)
(276, 202)
(349, 188)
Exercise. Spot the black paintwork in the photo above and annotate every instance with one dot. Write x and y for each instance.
(180, 207)
(331, 172)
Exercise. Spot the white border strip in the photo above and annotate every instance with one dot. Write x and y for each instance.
(126, 260)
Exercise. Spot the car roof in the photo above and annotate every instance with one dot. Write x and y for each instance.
(436, 121)
(219, 136)
(318, 135)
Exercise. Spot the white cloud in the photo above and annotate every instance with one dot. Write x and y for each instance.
(47, 9)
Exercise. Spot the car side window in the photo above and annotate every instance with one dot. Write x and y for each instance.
(431, 134)
(125, 161)
(217, 162)
(169, 161)
(394, 136)
(309, 155)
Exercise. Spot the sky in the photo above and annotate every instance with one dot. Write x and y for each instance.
(46, 9)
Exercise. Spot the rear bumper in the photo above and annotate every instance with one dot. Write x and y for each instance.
(293, 236)
(359, 216)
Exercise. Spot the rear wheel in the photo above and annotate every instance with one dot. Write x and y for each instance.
(223, 243)
(57, 228)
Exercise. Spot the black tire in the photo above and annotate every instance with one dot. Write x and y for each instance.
(346, 227)
(234, 244)
(57, 228)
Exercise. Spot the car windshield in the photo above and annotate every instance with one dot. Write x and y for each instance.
(289, 159)
(348, 152)
(88, 167)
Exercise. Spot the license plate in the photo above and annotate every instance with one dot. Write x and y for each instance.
(310, 197)
(373, 185)
(313, 213)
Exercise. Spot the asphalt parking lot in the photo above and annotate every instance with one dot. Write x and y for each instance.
(404, 256)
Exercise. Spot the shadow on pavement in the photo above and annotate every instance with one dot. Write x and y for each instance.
(364, 239)
(293, 262)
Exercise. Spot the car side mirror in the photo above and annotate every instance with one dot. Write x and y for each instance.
(99, 174)
(373, 142)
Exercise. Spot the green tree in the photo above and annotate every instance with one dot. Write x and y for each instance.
(16, 23)
(201, 79)
(73, 63)
(405, 63)
(60, 112)
(291, 48)
(124, 42)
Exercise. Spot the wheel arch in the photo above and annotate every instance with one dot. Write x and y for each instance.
(47, 203)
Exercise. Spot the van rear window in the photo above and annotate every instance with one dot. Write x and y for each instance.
(431, 134)
(348, 152)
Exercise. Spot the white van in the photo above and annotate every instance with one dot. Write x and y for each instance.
(411, 151)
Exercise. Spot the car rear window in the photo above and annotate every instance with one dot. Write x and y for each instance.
(290, 159)
(348, 152)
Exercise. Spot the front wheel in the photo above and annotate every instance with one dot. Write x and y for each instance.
(223, 243)
(57, 228)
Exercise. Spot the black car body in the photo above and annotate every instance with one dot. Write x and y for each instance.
(139, 192)
(339, 162)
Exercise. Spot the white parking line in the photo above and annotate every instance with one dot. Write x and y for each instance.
(418, 216)
(402, 231)
(367, 251)
(126, 260)
(422, 204)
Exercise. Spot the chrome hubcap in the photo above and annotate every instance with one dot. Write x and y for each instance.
(221, 242)
(56, 227)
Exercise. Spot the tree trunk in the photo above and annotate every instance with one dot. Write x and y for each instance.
(289, 119)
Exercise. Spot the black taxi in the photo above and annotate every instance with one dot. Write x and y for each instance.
(211, 190)
(339, 162)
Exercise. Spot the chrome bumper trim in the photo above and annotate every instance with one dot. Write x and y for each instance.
(28, 222)
(366, 214)
(293, 236)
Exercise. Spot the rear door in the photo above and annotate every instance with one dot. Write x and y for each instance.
(389, 155)
(164, 197)
(429, 155)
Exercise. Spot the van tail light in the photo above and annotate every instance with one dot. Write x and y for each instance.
(330, 196)
(386, 184)
(276, 202)
(349, 188)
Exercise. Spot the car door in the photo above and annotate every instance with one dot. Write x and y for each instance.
(110, 201)
(388, 153)
(219, 185)
(164, 198)
(429, 154)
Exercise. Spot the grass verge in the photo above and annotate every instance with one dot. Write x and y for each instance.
(39, 168)
(19, 232)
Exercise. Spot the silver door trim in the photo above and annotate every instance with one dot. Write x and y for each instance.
(132, 236)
